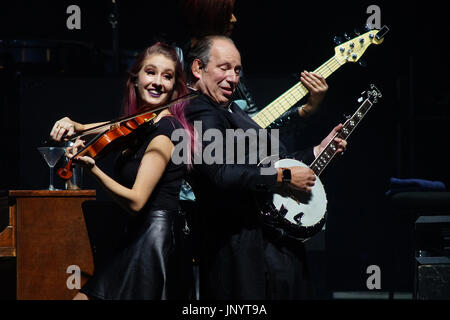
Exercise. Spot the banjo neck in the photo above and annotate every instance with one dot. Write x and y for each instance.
(328, 153)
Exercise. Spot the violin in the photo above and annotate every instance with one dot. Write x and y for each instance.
(116, 135)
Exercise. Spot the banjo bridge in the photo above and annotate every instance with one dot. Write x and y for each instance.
(298, 218)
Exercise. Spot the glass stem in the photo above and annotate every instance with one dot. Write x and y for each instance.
(51, 187)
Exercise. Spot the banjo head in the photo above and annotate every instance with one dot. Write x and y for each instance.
(301, 208)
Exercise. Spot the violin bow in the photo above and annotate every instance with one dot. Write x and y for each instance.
(108, 124)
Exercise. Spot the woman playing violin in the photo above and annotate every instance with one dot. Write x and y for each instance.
(148, 183)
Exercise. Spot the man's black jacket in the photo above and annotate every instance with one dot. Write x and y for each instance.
(230, 225)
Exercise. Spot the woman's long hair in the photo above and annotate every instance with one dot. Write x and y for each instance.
(132, 102)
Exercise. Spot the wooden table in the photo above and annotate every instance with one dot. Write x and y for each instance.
(47, 235)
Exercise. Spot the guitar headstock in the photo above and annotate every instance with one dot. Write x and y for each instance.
(353, 49)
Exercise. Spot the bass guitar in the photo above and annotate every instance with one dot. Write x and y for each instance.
(348, 52)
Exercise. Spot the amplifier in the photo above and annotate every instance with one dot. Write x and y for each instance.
(433, 278)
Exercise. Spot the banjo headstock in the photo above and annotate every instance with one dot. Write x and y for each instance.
(373, 94)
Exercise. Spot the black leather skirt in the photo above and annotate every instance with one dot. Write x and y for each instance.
(149, 266)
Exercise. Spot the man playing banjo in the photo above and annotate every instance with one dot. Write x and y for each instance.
(238, 258)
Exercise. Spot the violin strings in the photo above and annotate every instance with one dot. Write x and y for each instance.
(184, 98)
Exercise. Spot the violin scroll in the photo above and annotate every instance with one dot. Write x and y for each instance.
(66, 172)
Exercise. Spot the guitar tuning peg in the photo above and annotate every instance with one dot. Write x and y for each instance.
(362, 63)
(357, 31)
(337, 40)
(346, 36)
(367, 28)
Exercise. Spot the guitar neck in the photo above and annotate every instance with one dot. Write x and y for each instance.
(279, 106)
(327, 154)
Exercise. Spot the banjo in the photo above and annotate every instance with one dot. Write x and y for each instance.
(348, 52)
(298, 214)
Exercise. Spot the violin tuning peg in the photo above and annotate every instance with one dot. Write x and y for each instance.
(337, 40)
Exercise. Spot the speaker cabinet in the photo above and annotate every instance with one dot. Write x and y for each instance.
(433, 278)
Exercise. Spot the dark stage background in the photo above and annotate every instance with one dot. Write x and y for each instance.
(48, 71)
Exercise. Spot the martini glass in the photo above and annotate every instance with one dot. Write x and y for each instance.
(51, 155)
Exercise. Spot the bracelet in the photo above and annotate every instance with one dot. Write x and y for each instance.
(303, 109)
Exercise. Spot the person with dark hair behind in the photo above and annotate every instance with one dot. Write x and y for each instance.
(216, 17)
(207, 17)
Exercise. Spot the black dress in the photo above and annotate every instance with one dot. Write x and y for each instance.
(149, 264)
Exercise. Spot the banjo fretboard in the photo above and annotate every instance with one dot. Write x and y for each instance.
(327, 154)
